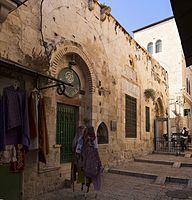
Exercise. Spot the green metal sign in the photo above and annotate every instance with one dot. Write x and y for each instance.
(70, 76)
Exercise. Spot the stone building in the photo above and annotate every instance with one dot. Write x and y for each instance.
(118, 87)
(162, 40)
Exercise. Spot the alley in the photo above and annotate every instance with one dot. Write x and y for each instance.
(139, 179)
(121, 187)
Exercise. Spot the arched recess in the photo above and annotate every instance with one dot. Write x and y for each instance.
(102, 134)
(72, 112)
(159, 108)
(161, 122)
(80, 57)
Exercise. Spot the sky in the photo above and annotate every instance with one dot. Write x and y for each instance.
(135, 14)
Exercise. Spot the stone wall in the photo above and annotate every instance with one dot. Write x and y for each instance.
(43, 35)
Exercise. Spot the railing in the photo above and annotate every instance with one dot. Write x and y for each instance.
(171, 145)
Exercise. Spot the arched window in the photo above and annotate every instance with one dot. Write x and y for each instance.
(150, 47)
(158, 46)
(102, 134)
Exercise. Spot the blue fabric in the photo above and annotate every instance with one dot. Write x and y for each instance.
(79, 144)
(16, 122)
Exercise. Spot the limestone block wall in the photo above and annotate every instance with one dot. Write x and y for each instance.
(171, 57)
(111, 64)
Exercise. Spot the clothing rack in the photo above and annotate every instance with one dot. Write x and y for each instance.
(13, 65)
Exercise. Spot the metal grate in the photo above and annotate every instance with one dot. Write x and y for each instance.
(167, 145)
(131, 117)
(66, 127)
(147, 118)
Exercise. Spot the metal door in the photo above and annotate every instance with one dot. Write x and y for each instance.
(10, 184)
(67, 117)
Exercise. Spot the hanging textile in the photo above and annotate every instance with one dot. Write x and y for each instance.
(15, 117)
(43, 133)
(33, 119)
(8, 155)
(19, 164)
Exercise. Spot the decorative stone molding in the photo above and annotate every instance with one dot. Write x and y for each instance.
(6, 6)
(105, 10)
(66, 49)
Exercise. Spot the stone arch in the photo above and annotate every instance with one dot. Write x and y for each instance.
(160, 114)
(102, 134)
(159, 108)
(64, 50)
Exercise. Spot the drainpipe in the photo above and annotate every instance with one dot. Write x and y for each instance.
(6, 6)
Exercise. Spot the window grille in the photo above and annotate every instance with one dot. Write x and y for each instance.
(147, 118)
(130, 117)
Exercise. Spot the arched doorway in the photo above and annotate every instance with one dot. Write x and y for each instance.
(75, 104)
(161, 119)
(161, 126)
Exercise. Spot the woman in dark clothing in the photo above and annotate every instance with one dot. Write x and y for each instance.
(184, 139)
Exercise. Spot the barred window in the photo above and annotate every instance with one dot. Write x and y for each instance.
(130, 117)
(147, 119)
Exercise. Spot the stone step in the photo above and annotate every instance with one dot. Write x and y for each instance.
(185, 158)
(163, 162)
(160, 180)
(190, 183)
(157, 179)
(132, 173)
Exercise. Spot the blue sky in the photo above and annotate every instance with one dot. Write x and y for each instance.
(134, 14)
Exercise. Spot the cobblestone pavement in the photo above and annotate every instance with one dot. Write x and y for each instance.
(120, 187)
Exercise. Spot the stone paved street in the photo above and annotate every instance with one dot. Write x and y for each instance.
(120, 187)
(126, 187)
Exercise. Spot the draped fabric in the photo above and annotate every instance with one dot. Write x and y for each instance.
(33, 116)
(33, 120)
(43, 133)
(15, 124)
